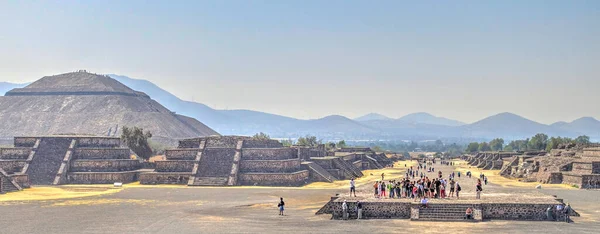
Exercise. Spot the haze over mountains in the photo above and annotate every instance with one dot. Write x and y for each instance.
(373, 126)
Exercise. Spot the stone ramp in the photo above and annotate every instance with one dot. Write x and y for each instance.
(47, 161)
(320, 174)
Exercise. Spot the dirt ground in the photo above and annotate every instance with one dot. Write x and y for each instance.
(179, 209)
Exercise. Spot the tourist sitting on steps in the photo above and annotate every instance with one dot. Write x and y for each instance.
(469, 213)
(424, 203)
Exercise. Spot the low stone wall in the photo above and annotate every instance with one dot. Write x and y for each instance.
(590, 181)
(262, 144)
(189, 144)
(98, 142)
(181, 154)
(555, 178)
(12, 167)
(374, 210)
(592, 152)
(15, 153)
(269, 153)
(174, 165)
(270, 179)
(515, 211)
(216, 162)
(111, 165)
(101, 153)
(101, 177)
(289, 165)
(25, 141)
(164, 178)
(324, 163)
(582, 167)
(572, 179)
(595, 167)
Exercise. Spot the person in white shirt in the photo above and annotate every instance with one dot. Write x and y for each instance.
(345, 210)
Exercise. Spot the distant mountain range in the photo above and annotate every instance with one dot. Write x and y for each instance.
(373, 126)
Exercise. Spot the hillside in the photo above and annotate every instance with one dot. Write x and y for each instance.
(372, 116)
(85, 103)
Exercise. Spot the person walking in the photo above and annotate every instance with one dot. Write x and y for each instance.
(359, 207)
(281, 206)
(352, 187)
(478, 190)
(458, 188)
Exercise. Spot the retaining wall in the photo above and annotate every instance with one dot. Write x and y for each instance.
(101, 177)
(269, 179)
(110, 165)
(12, 167)
(288, 165)
(269, 153)
(15, 153)
(181, 154)
(101, 153)
(175, 165)
(165, 178)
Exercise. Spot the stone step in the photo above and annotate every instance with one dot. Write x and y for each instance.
(445, 220)
(210, 181)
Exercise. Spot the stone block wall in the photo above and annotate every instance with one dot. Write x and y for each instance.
(25, 141)
(582, 167)
(21, 179)
(12, 167)
(181, 154)
(175, 165)
(592, 152)
(164, 178)
(101, 177)
(110, 142)
(325, 163)
(101, 153)
(289, 165)
(111, 165)
(591, 181)
(14, 153)
(269, 153)
(595, 167)
(271, 179)
(515, 211)
(374, 210)
(262, 144)
(555, 178)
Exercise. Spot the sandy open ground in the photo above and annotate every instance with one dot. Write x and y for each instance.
(179, 209)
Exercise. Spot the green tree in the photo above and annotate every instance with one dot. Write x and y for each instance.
(585, 140)
(341, 144)
(287, 143)
(472, 147)
(310, 141)
(137, 140)
(484, 146)
(261, 136)
(509, 148)
(497, 144)
(538, 142)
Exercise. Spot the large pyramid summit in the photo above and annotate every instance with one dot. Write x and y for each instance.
(87, 103)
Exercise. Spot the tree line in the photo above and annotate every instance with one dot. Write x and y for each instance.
(538, 142)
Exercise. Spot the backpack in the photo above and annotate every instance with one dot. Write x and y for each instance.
(458, 187)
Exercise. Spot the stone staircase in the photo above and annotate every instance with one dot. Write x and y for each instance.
(48, 158)
(7, 184)
(210, 181)
(235, 167)
(192, 178)
(319, 172)
(445, 212)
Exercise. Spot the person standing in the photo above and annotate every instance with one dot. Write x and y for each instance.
(478, 190)
(452, 183)
(382, 189)
(281, 206)
(352, 187)
(344, 210)
(359, 207)
(549, 215)
(567, 211)
(458, 188)
(485, 180)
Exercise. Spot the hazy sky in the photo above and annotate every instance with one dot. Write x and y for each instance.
(307, 59)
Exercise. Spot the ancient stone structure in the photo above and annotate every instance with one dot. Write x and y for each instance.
(488, 160)
(229, 160)
(576, 166)
(86, 103)
(55, 160)
(441, 211)
(237, 160)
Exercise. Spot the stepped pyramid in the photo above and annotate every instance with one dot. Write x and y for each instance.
(91, 104)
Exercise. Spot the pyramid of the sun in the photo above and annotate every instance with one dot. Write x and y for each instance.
(91, 104)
